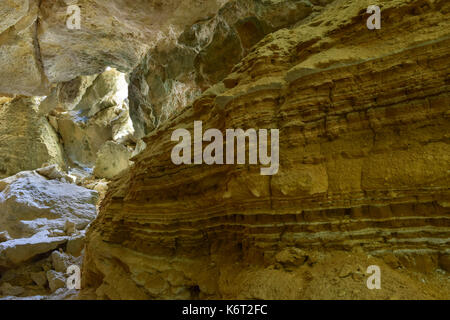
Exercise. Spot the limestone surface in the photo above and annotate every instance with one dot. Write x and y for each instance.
(21, 70)
(112, 159)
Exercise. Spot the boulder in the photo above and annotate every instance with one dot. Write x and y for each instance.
(60, 261)
(54, 172)
(18, 251)
(29, 203)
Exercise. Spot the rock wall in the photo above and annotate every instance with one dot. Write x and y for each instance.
(21, 70)
(27, 140)
(364, 152)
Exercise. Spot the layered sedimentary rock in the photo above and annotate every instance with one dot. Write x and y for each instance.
(27, 140)
(364, 157)
(364, 148)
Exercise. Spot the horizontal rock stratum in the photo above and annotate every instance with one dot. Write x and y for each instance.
(364, 165)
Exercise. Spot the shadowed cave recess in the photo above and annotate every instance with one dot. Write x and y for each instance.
(91, 92)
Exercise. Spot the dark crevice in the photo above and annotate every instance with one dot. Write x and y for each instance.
(37, 50)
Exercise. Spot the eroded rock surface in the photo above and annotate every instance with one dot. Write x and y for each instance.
(21, 70)
(99, 115)
(112, 160)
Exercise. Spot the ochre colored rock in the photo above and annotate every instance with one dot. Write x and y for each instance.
(56, 280)
(364, 129)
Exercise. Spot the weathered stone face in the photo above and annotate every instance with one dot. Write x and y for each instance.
(112, 160)
(11, 12)
(88, 112)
